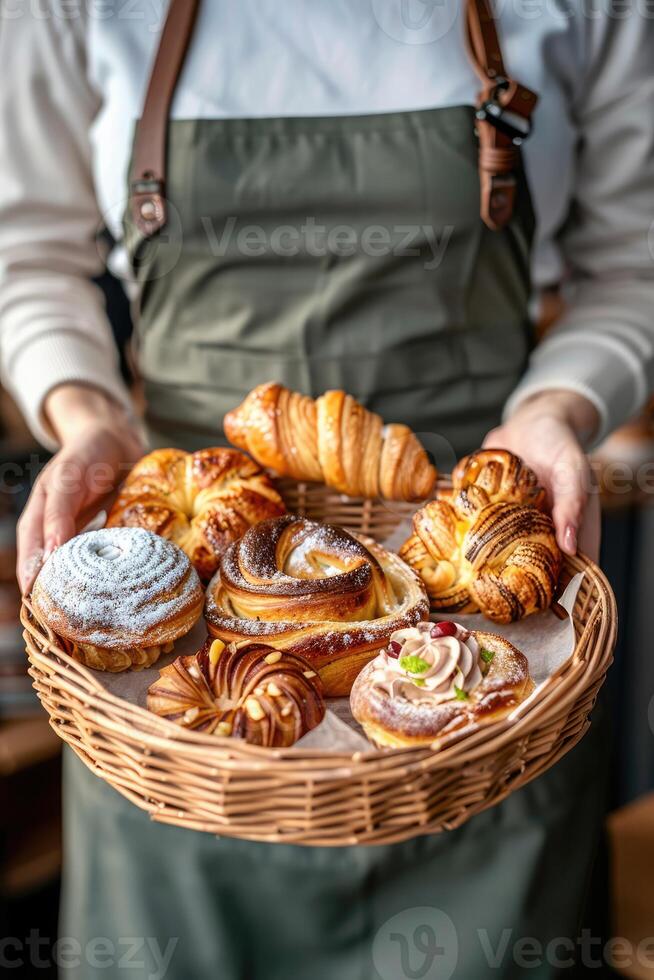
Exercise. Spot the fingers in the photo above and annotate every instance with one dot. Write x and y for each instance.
(49, 518)
(569, 484)
(590, 531)
(29, 539)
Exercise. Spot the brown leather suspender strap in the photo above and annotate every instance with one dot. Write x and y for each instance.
(504, 111)
(148, 179)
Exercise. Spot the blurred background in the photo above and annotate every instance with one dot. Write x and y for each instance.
(30, 752)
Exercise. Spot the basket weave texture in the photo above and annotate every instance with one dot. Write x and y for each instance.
(314, 797)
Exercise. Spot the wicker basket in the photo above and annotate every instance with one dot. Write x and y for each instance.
(303, 796)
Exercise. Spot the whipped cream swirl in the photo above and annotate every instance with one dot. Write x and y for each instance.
(427, 668)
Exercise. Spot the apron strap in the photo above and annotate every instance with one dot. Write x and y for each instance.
(148, 179)
(504, 109)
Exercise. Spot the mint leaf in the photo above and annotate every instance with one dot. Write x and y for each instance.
(414, 664)
(486, 655)
(460, 694)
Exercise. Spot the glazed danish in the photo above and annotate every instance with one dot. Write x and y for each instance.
(334, 440)
(252, 692)
(202, 501)
(475, 551)
(118, 597)
(316, 590)
(434, 679)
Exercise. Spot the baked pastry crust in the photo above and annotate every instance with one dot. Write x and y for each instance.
(393, 722)
(334, 440)
(201, 501)
(330, 596)
(475, 551)
(118, 597)
(501, 475)
(252, 692)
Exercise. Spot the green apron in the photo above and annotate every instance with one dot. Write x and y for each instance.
(333, 252)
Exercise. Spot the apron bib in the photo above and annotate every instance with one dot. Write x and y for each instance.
(364, 253)
(332, 253)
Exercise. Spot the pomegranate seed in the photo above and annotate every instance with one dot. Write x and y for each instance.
(394, 648)
(446, 628)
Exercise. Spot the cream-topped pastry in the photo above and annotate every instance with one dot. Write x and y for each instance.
(433, 662)
(434, 678)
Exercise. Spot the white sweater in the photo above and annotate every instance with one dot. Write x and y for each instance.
(73, 80)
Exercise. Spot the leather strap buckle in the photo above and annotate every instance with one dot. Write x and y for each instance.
(503, 118)
(148, 203)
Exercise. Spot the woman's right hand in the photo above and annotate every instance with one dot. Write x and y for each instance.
(99, 444)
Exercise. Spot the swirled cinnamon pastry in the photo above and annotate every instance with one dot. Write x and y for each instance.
(478, 547)
(434, 679)
(252, 692)
(317, 590)
(118, 597)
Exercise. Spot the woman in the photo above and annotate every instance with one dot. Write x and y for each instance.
(306, 201)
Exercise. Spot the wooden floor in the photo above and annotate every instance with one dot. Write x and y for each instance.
(632, 840)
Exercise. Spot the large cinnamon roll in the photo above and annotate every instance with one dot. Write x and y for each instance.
(118, 597)
(252, 692)
(434, 679)
(317, 590)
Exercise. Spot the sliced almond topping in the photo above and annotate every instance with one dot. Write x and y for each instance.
(286, 710)
(259, 691)
(215, 650)
(273, 690)
(309, 673)
(273, 658)
(224, 728)
(254, 709)
(191, 715)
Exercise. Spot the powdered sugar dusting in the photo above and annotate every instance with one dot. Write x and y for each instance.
(112, 585)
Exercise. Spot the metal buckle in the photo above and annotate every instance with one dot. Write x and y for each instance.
(516, 127)
(147, 185)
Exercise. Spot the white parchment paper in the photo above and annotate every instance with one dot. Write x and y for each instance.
(546, 639)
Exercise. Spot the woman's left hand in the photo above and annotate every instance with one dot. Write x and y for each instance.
(546, 432)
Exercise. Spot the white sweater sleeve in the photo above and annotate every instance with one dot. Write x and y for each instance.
(53, 327)
(603, 346)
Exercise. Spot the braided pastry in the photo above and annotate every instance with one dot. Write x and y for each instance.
(435, 679)
(202, 501)
(252, 692)
(477, 552)
(316, 590)
(501, 475)
(118, 597)
(334, 440)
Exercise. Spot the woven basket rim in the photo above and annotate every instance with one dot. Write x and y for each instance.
(155, 733)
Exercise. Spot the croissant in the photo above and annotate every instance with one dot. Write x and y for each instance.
(334, 440)
(251, 692)
(478, 553)
(202, 501)
(316, 590)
